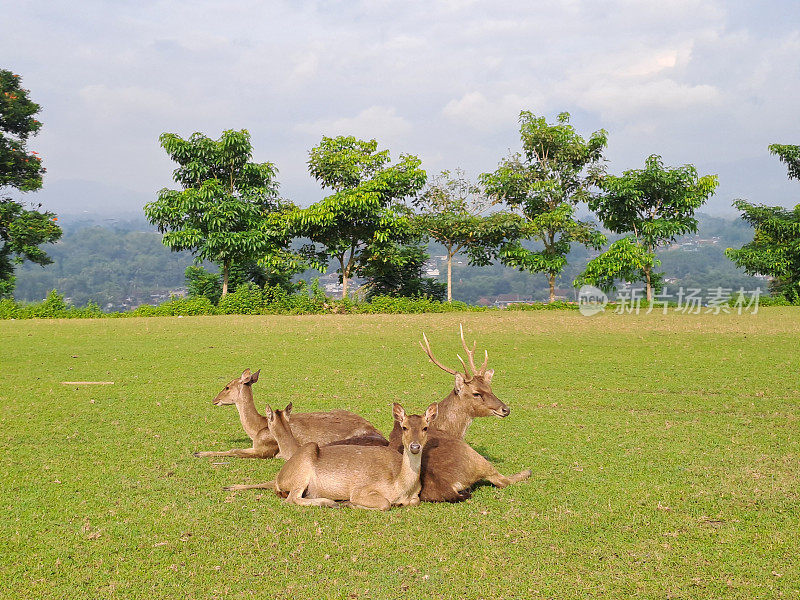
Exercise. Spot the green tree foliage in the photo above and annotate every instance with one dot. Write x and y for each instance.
(228, 211)
(790, 155)
(201, 282)
(364, 217)
(624, 260)
(22, 230)
(123, 265)
(397, 272)
(655, 205)
(554, 172)
(19, 168)
(775, 249)
(453, 213)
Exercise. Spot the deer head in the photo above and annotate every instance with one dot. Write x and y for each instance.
(414, 427)
(230, 393)
(276, 418)
(473, 387)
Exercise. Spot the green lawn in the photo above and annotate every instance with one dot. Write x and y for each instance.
(665, 453)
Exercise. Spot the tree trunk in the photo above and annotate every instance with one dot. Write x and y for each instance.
(449, 277)
(344, 276)
(225, 274)
(552, 280)
(649, 286)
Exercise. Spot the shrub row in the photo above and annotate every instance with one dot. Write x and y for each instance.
(247, 299)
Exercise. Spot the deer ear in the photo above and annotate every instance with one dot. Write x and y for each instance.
(288, 410)
(459, 383)
(254, 376)
(245, 378)
(487, 376)
(270, 414)
(399, 413)
(432, 412)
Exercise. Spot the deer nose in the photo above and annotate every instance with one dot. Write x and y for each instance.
(415, 448)
(505, 411)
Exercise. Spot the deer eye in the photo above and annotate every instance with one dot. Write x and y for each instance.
(227, 387)
(424, 429)
(404, 428)
(477, 395)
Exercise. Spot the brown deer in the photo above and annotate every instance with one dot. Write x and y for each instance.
(364, 476)
(450, 467)
(322, 427)
(471, 396)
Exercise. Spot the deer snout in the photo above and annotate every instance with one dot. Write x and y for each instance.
(414, 448)
(503, 412)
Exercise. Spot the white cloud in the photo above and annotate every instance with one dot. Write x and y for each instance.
(695, 80)
(478, 112)
(118, 102)
(380, 122)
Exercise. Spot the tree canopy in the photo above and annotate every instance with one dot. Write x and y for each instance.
(454, 212)
(655, 204)
(364, 217)
(22, 230)
(775, 249)
(228, 211)
(554, 172)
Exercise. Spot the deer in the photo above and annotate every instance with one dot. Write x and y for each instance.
(322, 427)
(451, 467)
(369, 477)
(471, 396)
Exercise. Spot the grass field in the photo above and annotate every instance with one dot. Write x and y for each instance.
(665, 453)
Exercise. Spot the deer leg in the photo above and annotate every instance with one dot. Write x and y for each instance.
(238, 452)
(499, 480)
(261, 449)
(296, 497)
(368, 500)
(269, 485)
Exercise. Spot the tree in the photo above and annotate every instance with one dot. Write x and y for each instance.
(452, 212)
(655, 204)
(624, 260)
(544, 183)
(775, 249)
(228, 211)
(397, 271)
(22, 230)
(364, 216)
(790, 155)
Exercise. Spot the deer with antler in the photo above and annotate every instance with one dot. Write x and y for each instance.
(450, 466)
(471, 396)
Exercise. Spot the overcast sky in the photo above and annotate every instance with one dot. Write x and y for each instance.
(710, 83)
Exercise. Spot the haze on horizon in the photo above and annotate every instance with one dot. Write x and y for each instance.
(708, 83)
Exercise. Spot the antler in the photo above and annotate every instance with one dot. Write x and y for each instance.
(427, 349)
(471, 356)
